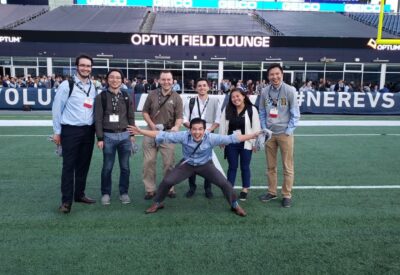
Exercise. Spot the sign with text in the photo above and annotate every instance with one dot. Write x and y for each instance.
(200, 40)
(310, 102)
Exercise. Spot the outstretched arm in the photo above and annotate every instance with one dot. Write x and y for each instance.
(248, 136)
(137, 131)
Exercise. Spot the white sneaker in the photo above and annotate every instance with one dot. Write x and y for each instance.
(124, 198)
(105, 199)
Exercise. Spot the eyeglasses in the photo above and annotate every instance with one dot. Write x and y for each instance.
(115, 77)
(84, 66)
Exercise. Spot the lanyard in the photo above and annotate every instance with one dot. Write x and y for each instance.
(198, 107)
(83, 90)
(160, 105)
(274, 101)
(114, 101)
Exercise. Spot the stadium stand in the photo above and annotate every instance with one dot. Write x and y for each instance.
(89, 18)
(317, 24)
(14, 15)
(210, 23)
(391, 22)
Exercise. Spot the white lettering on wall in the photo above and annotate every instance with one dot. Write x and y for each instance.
(7, 96)
(48, 97)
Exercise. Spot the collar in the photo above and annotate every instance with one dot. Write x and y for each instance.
(77, 80)
(279, 87)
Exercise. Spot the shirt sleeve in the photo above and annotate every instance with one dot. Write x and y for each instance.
(60, 100)
(294, 113)
(217, 139)
(262, 111)
(218, 114)
(147, 104)
(186, 111)
(98, 116)
(170, 137)
(179, 107)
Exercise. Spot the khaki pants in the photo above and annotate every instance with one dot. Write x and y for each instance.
(286, 145)
(150, 160)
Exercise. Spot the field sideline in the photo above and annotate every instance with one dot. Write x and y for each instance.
(344, 219)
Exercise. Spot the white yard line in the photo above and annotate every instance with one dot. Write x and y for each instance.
(333, 187)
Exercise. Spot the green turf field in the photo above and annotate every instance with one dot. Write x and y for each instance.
(343, 231)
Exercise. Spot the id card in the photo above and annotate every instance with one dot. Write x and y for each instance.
(114, 118)
(88, 103)
(273, 113)
(237, 132)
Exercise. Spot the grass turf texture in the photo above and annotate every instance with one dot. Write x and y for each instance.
(326, 231)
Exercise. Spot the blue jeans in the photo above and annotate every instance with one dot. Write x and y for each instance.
(233, 152)
(116, 142)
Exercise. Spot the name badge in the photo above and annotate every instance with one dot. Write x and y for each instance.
(273, 113)
(114, 118)
(237, 132)
(88, 103)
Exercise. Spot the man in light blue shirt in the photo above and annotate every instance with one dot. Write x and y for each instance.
(279, 112)
(73, 127)
(197, 145)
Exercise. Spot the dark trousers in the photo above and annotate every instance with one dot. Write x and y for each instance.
(77, 149)
(192, 184)
(233, 153)
(184, 171)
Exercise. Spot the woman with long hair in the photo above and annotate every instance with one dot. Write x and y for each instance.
(240, 115)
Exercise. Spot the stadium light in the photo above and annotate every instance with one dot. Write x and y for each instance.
(377, 60)
(104, 55)
(273, 59)
(327, 60)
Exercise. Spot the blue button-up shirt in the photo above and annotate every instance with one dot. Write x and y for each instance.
(204, 153)
(71, 111)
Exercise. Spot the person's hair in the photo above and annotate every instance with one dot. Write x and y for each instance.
(167, 72)
(200, 79)
(115, 70)
(85, 56)
(231, 110)
(273, 66)
(197, 120)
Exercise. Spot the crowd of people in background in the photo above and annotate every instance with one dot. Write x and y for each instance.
(142, 85)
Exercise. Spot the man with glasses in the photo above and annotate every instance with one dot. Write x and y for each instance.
(73, 126)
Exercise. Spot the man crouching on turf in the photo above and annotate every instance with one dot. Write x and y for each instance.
(197, 145)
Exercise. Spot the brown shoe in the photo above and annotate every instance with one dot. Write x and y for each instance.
(239, 211)
(149, 195)
(65, 208)
(86, 200)
(154, 208)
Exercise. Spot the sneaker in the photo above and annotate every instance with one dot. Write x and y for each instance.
(286, 202)
(105, 199)
(124, 198)
(190, 193)
(267, 197)
(243, 196)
